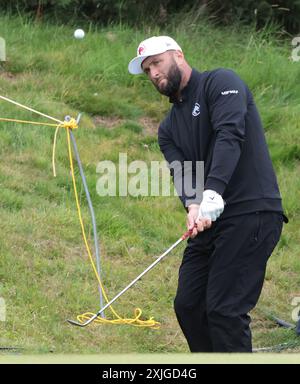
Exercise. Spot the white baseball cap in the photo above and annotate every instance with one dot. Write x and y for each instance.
(149, 47)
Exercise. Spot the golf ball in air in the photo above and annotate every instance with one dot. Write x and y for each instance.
(79, 34)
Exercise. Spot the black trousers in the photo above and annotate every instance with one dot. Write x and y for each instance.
(220, 281)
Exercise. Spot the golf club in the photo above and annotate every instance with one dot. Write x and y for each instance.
(182, 238)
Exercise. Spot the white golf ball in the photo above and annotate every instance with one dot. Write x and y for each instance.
(79, 34)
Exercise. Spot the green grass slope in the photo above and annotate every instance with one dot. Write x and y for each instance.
(45, 275)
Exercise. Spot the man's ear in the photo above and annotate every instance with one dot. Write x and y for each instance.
(179, 57)
(180, 54)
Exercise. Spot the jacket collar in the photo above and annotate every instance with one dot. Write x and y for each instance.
(188, 89)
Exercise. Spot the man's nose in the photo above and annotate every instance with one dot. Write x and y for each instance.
(154, 73)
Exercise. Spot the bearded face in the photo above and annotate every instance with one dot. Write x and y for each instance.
(169, 83)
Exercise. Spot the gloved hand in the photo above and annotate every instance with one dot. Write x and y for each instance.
(212, 205)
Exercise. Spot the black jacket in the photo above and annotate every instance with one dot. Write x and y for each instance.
(216, 121)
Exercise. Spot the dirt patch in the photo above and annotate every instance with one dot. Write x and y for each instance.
(150, 125)
(8, 76)
(109, 122)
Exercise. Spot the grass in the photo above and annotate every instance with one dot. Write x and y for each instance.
(45, 276)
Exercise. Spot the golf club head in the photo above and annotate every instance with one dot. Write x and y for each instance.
(73, 322)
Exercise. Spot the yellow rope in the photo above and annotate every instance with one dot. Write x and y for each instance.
(29, 109)
(72, 124)
(27, 122)
(151, 323)
(135, 321)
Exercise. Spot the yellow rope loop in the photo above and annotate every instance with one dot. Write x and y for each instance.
(70, 123)
(136, 321)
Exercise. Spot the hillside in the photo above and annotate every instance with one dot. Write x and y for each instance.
(45, 274)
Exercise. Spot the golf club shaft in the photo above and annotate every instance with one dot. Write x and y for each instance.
(185, 236)
(140, 276)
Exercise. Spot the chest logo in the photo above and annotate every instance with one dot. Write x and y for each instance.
(196, 110)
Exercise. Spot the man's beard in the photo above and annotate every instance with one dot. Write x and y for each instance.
(173, 82)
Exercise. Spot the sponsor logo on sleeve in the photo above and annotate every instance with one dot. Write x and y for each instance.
(231, 91)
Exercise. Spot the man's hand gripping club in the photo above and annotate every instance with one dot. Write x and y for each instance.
(200, 217)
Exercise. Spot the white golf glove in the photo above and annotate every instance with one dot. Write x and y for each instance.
(212, 205)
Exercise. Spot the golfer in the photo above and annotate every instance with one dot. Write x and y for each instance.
(238, 220)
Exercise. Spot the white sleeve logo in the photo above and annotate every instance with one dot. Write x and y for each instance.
(232, 91)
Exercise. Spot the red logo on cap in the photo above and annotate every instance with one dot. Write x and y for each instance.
(141, 49)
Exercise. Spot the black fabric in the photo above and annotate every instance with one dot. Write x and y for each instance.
(220, 281)
(298, 325)
(216, 121)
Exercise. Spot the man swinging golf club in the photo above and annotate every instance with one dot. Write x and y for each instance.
(214, 119)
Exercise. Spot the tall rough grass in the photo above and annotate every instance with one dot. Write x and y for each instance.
(45, 276)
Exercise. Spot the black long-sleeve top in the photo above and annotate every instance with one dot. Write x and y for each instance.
(216, 121)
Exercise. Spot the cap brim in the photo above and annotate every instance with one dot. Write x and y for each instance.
(135, 65)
